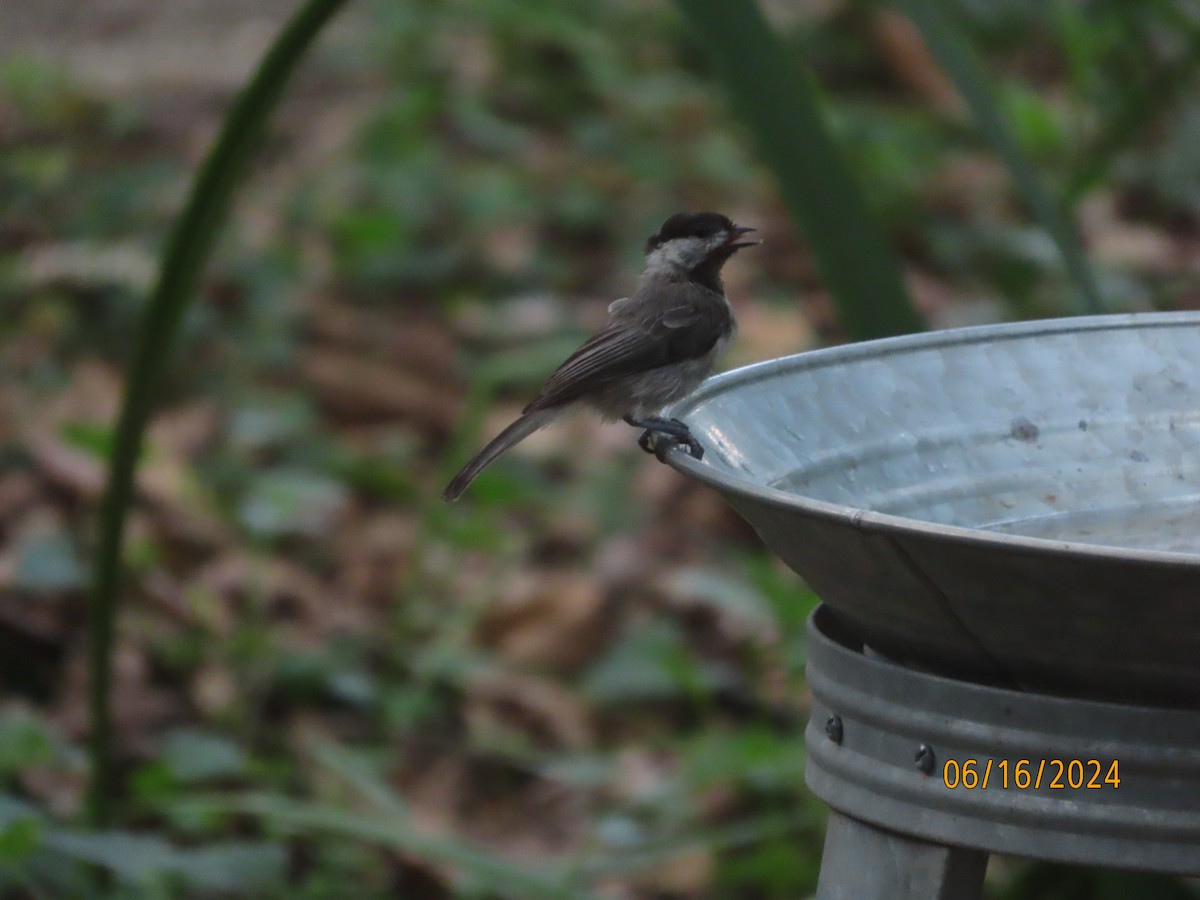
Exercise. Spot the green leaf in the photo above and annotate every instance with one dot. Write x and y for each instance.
(18, 839)
(14, 810)
(549, 879)
(742, 601)
(360, 775)
(140, 859)
(270, 422)
(137, 858)
(291, 501)
(48, 562)
(192, 756)
(91, 437)
(955, 55)
(377, 478)
(773, 94)
(652, 662)
(25, 741)
(500, 876)
(653, 851)
(773, 866)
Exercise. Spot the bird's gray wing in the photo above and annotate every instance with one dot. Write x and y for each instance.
(629, 345)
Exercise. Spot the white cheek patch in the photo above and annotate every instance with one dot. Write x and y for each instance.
(680, 252)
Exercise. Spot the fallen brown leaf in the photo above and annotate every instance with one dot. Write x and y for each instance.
(556, 620)
(902, 47)
(543, 711)
(354, 387)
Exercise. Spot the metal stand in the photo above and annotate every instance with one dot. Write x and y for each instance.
(862, 862)
(928, 775)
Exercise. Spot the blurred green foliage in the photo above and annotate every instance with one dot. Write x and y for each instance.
(771, 92)
(568, 129)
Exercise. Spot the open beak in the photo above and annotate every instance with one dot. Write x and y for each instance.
(736, 233)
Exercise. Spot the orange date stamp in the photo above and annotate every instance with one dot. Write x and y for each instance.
(1031, 774)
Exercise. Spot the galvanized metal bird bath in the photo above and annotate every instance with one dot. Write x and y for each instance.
(1004, 526)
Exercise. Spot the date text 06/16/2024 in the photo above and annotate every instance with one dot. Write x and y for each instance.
(1031, 774)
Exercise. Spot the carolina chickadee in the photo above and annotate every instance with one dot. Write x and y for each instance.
(658, 344)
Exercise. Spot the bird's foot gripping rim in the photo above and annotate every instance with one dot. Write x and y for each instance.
(661, 435)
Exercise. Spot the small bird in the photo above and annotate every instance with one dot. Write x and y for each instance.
(658, 344)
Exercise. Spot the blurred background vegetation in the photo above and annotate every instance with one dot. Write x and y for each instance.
(586, 678)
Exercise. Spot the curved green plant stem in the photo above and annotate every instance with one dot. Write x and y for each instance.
(773, 94)
(188, 248)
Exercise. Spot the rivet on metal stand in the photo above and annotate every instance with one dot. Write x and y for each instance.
(924, 759)
(833, 729)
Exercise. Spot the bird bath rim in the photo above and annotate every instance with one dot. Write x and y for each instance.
(866, 520)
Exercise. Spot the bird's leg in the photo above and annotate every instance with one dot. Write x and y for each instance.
(661, 434)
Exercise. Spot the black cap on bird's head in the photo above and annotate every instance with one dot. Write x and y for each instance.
(714, 229)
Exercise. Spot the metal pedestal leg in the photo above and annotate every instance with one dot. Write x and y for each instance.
(862, 862)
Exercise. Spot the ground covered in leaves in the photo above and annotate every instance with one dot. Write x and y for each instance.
(585, 679)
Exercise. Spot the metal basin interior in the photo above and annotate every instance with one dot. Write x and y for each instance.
(1018, 503)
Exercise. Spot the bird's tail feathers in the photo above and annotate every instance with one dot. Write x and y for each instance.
(505, 440)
